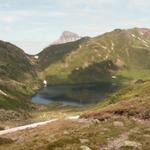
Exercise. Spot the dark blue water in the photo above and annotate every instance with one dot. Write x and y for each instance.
(74, 95)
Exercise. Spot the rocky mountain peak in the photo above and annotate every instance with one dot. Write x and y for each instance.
(66, 37)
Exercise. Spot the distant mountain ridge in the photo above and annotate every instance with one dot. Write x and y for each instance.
(66, 37)
(98, 59)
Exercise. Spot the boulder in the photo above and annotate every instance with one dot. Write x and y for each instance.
(131, 144)
(118, 124)
(139, 81)
(84, 147)
(83, 141)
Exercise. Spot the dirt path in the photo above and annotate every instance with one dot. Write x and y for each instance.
(34, 125)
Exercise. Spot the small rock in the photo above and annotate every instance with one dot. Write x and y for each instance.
(147, 135)
(66, 132)
(139, 81)
(114, 77)
(102, 133)
(118, 124)
(95, 121)
(84, 147)
(83, 141)
(105, 129)
(132, 144)
(36, 57)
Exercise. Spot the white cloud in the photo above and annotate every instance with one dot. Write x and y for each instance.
(141, 5)
(42, 20)
(7, 19)
(55, 14)
(141, 22)
(8, 29)
(12, 16)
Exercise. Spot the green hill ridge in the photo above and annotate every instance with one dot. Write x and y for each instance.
(17, 77)
(97, 59)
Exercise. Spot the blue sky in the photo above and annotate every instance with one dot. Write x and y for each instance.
(34, 24)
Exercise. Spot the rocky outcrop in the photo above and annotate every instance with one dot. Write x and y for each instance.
(66, 37)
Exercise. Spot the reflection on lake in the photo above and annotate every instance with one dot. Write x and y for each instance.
(74, 95)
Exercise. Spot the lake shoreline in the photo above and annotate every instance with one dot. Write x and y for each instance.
(79, 93)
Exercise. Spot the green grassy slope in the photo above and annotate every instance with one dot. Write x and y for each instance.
(56, 53)
(132, 101)
(122, 122)
(17, 77)
(120, 51)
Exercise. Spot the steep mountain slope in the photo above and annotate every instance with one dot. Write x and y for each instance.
(66, 37)
(54, 53)
(57, 53)
(118, 53)
(17, 77)
(14, 63)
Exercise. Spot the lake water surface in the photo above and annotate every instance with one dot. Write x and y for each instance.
(74, 95)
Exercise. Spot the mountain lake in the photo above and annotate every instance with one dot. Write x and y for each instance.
(74, 95)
